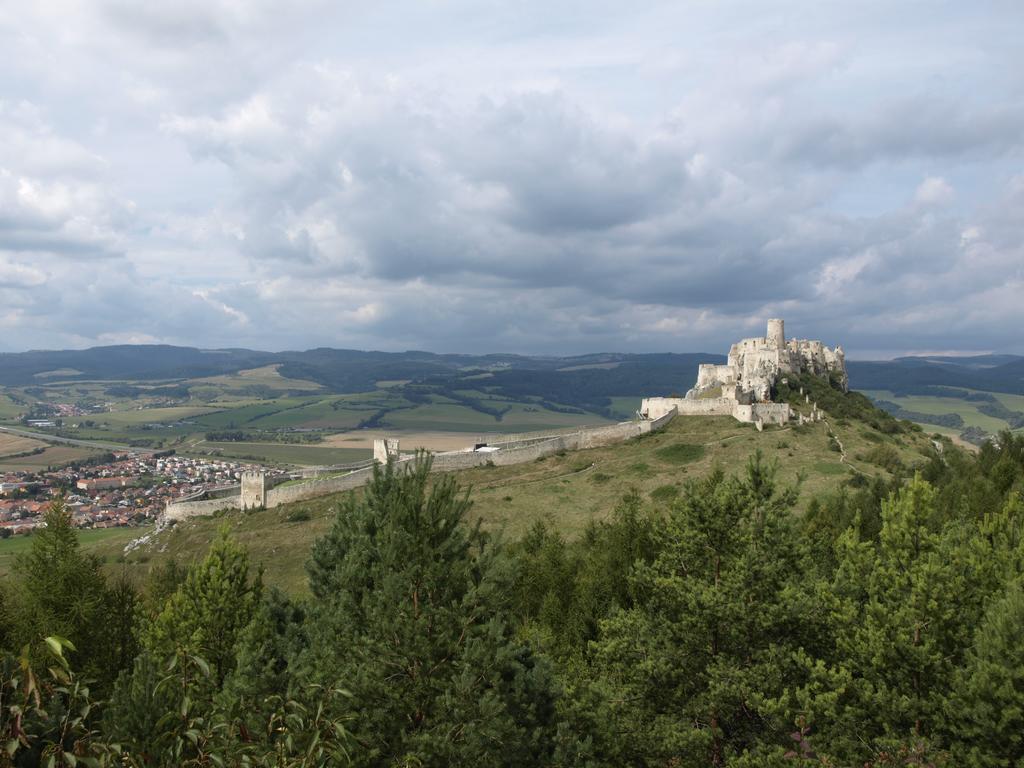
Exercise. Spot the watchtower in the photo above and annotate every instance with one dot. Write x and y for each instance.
(385, 448)
(254, 489)
(776, 333)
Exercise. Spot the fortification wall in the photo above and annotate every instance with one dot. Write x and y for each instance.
(772, 413)
(656, 407)
(313, 488)
(186, 509)
(515, 453)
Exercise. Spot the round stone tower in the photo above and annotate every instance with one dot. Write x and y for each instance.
(777, 333)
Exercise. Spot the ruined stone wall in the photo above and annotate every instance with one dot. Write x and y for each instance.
(313, 488)
(185, 509)
(655, 407)
(766, 413)
(516, 453)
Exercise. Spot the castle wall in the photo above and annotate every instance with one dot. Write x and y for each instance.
(185, 509)
(766, 413)
(518, 452)
(313, 488)
(656, 407)
(710, 375)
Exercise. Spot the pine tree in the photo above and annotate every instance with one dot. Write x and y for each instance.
(59, 590)
(684, 674)
(188, 650)
(901, 612)
(208, 612)
(986, 713)
(410, 617)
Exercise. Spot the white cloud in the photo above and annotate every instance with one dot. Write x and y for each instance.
(934, 190)
(467, 175)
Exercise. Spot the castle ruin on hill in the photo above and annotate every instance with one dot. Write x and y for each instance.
(743, 387)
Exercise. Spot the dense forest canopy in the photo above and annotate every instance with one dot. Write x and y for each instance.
(881, 627)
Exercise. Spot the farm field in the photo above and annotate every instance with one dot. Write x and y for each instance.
(17, 444)
(569, 491)
(266, 376)
(8, 408)
(408, 440)
(281, 453)
(137, 416)
(53, 456)
(966, 409)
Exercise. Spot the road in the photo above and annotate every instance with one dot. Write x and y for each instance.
(71, 441)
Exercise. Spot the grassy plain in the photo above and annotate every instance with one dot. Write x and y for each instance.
(568, 490)
(108, 542)
(8, 408)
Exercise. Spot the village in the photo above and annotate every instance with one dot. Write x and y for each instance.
(119, 489)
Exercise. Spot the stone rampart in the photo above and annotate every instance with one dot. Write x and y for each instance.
(771, 413)
(313, 488)
(518, 452)
(185, 509)
(656, 407)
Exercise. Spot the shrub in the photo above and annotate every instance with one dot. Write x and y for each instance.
(886, 457)
(298, 516)
(680, 453)
(665, 493)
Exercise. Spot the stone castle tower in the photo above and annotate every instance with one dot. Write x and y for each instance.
(385, 448)
(254, 489)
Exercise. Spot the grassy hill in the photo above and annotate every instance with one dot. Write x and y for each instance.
(573, 489)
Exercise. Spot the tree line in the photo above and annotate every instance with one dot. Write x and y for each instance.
(880, 628)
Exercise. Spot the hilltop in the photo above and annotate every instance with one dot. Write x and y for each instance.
(855, 445)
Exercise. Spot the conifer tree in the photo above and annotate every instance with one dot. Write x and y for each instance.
(188, 650)
(986, 712)
(900, 613)
(208, 612)
(684, 673)
(410, 617)
(59, 590)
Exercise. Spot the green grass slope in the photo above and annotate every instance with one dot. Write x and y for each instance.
(575, 488)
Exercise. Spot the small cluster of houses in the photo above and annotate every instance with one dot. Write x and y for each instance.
(129, 490)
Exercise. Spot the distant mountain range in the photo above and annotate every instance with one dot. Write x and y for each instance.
(577, 379)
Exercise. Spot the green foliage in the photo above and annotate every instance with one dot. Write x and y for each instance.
(58, 590)
(902, 611)
(680, 453)
(665, 493)
(410, 617)
(47, 720)
(208, 611)
(565, 590)
(683, 674)
(986, 712)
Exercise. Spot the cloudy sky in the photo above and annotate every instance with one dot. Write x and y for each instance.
(537, 177)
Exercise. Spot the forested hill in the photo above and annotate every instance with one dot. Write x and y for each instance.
(577, 380)
(927, 375)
